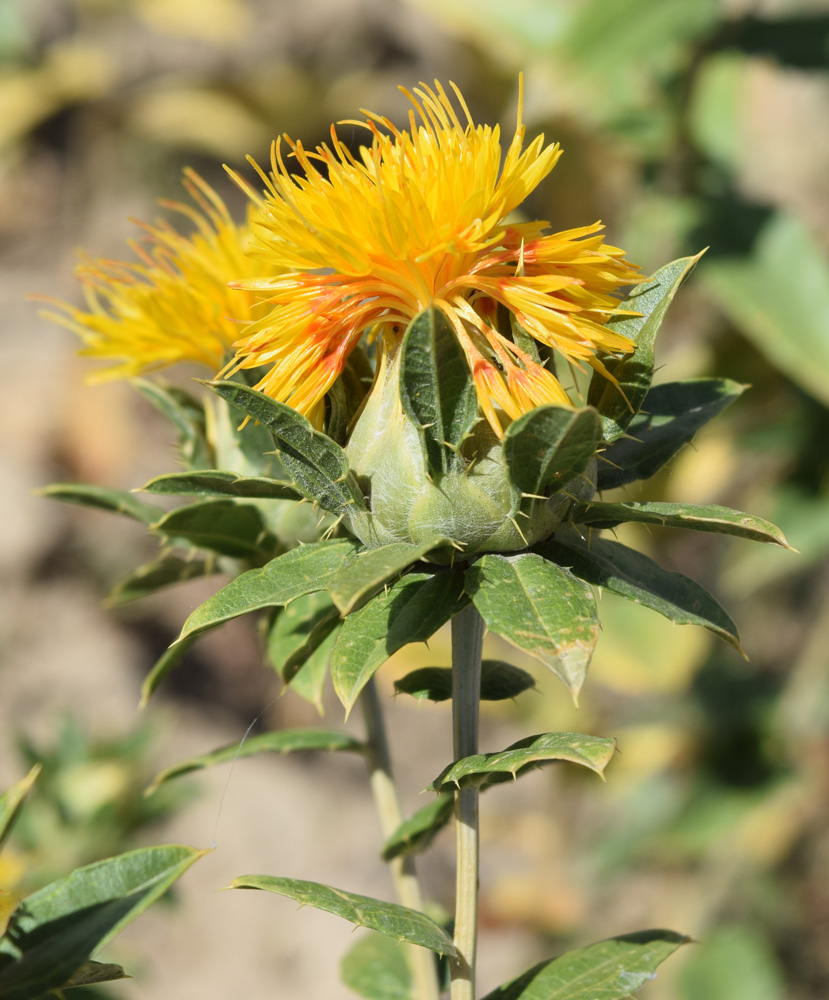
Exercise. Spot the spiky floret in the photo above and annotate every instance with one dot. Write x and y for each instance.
(356, 245)
(173, 303)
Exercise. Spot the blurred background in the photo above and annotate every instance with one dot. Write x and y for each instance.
(684, 125)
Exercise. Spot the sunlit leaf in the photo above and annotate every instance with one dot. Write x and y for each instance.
(634, 371)
(391, 919)
(58, 928)
(363, 572)
(218, 483)
(549, 446)
(609, 970)
(300, 571)
(635, 576)
(103, 498)
(223, 526)
(539, 607)
(282, 742)
(417, 832)
(436, 388)
(723, 520)
(411, 610)
(593, 752)
(316, 464)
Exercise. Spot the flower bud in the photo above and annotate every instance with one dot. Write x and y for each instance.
(477, 506)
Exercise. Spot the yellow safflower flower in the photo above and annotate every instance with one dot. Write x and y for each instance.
(174, 303)
(362, 244)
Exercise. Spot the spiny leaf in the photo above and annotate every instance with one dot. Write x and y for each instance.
(150, 577)
(411, 610)
(634, 371)
(671, 415)
(168, 660)
(436, 388)
(638, 578)
(417, 832)
(103, 498)
(609, 970)
(218, 483)
(284, 741)
(550, 445)
(539, 607)
(680, 515)
(525, 755)
(300, 571)
(317, 464)
(58, 928)
(391, 919)
(223, 526)
(364, 572)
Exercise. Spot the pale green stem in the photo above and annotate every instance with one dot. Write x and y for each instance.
(384, 790)
(467, 644)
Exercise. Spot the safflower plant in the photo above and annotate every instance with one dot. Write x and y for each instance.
(387, 446)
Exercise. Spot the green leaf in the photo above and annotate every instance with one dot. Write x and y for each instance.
(317, 464)
(539, 607)
(634, 371)
(223, 526)
(525, 755)
(92, 973)
(168, 660)
(638, 578)
(103, 498)
(671, 415)
(499, 681)
(298, 630)
(55, 930)
(186, 414)
(436, 388)
(779, 298)
(549, 446)
(149, 578)
(411, 610)
(300, 571)
(362, 573)
(308, 680)
(609, 970)
(12, 799)
(284, 741)
(216, 483)
(680, 515)
(391, 919)
(417, 832)
(377, 969)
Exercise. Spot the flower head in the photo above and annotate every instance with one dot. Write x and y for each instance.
(174, 302)
(361, 244)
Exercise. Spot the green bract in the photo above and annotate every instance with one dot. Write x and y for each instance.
(424, 477)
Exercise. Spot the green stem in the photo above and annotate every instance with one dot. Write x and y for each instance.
(384, 790)
(467, 644)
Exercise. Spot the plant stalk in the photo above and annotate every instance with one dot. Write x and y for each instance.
(467, 645)
(421, 961)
